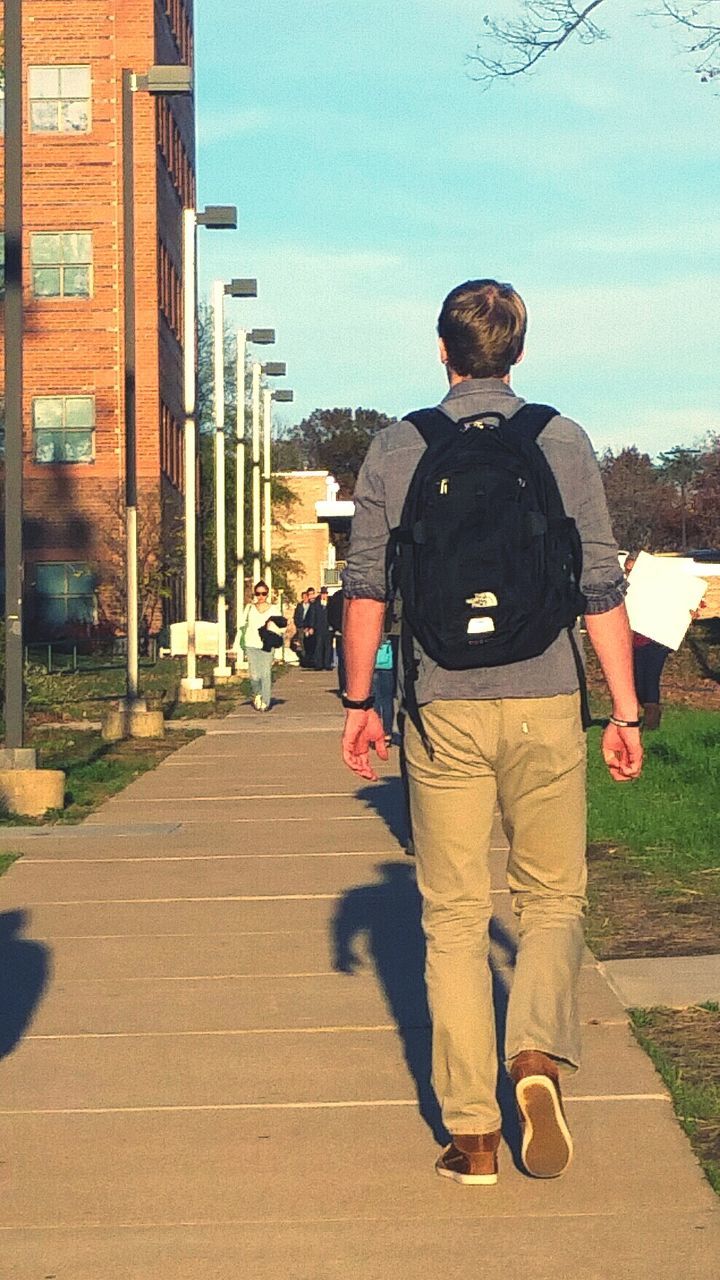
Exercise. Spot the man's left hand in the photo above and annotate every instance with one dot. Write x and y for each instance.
(363, 730)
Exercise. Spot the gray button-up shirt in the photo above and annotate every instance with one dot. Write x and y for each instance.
(379, 497)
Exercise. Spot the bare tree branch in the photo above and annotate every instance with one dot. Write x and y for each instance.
(705, 37)
(543, 27)
(513, 46)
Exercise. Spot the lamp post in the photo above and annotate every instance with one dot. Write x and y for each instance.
(235, 289)
(159, 81)
(274, 370)
(244, 336)
(215, 218)
(13, 220)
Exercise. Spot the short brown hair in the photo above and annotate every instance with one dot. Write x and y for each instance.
(482, 324)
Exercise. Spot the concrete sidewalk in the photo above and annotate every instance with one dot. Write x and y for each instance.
(217, 1048)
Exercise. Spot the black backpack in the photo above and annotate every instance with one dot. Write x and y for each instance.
(485, 559)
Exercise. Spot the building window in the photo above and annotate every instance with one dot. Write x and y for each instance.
(2, 264)
(170, 291)
(172, 448)
(59, 99)
(61, 264)
(63, 428)
(174, 153)
(65, 593)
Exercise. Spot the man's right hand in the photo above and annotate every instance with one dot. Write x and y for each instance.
(622, 752)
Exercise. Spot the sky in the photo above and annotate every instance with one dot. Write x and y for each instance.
(372, 173)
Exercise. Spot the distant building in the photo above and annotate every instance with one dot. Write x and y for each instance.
(307, 533)
(74, 56)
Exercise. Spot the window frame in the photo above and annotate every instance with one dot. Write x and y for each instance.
(60, 99)
(71, 568)
(64, 462)
(61, 266)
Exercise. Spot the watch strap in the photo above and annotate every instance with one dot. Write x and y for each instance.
(357, 704)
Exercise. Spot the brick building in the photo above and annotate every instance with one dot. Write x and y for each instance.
(73, 251)
(306, 529)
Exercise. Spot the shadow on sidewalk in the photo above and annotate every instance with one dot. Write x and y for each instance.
(24, 975)
(387, 914)
(387, 798)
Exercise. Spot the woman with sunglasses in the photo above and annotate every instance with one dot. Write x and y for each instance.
(259, 625)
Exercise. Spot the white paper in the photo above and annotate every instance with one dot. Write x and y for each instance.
(661, 598)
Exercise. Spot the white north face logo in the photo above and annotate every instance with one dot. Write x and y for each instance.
(482, 600)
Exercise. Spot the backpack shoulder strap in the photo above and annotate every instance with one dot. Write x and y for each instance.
(429, 422)
(533, 418)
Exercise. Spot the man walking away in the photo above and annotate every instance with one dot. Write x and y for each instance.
(334, 616)
(509, 734)
(318, 619)
(309, 637)
(299, 613)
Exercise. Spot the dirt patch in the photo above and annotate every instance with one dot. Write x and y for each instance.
(685, 1047)
(635, 913)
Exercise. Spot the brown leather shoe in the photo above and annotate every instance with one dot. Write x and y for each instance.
(471, 1159)
(547, 1146)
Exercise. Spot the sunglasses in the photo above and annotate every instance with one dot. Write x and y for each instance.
(261, 593)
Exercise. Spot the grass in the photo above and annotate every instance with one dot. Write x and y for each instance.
(95, 769)
(684, 1046)
(653, 862)
(667, 818)
(6, 861)
(85, 694)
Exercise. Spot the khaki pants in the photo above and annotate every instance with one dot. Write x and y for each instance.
(528, 756)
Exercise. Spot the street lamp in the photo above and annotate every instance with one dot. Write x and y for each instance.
(215, 217)
(236, 288)
(15, 756)
(274, 369)
(259, 337)
(159, 80)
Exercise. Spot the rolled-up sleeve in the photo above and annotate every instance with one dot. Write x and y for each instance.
(581, 488)
(364, 577)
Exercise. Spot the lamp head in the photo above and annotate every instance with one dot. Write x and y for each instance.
(218, 217)
(173, 78)
(275, 369)
(241, 289)
(283, 394)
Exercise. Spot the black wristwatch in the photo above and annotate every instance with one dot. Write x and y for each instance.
(357, 704)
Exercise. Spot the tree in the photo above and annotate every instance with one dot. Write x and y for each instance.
(640, 501)
(160, 559)
(513, 46)
(282, 564)
(680, 467)
(706, 495)
(205, 381)
(334, 440)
